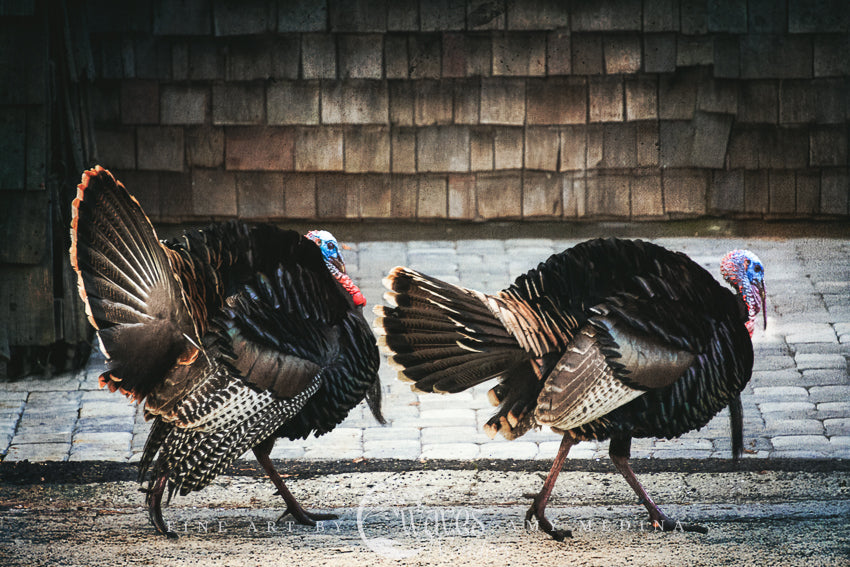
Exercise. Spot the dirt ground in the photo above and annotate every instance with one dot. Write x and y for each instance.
(437, 517)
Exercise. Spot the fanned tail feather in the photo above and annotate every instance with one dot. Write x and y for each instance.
(127, 285)
(442, 337)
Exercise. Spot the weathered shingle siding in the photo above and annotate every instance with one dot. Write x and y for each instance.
(623, 109)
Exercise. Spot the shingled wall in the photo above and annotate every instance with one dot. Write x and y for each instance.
(406, 109)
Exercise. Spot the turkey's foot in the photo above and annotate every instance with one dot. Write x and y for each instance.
(153, 500)
(619, 451)
(538, 505)
(293, 507)
(305, 517)
(660, 521)
(545, 525)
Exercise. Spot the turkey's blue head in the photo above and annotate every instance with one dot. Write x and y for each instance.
(329, 247)
(336, 265)
(745, 272)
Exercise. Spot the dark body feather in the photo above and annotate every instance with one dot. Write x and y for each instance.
(609, 339)
(232, 335)
(668, 297)
(277, 319)
(281, 300)
(653, 296)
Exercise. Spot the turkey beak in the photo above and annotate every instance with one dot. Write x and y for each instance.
(762, 302)
(337, 262)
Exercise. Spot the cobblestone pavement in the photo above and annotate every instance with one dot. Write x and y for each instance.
(797, 404)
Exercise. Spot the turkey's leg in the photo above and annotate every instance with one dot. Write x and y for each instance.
(620, 451)
(302, 516)
(154, 503)
(538, 506)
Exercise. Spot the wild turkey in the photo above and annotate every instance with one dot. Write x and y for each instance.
(611, 339)
(231, 336)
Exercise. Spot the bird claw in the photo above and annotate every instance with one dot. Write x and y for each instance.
(306, 518)
(545, 525)
(667, 524)
(561, 535)
(159, 524)
(153, 501)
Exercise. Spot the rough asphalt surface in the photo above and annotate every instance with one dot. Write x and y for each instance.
(431, 489)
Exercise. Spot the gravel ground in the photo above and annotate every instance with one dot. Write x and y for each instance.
(457, 517)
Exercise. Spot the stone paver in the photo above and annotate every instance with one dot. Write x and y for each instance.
(796, 406)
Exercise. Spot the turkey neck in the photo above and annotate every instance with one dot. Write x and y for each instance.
(347, 284)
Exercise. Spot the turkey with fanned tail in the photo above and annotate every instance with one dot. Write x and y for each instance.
(231, 336)
(611, 339)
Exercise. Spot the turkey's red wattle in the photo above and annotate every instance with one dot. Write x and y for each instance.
(351, 288)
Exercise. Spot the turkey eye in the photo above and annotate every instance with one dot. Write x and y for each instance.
(757, 268)
(331, 246)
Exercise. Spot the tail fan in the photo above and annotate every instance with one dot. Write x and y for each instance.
(125, 280)
(442, 337)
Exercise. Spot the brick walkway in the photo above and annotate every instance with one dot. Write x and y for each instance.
(797, 404)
